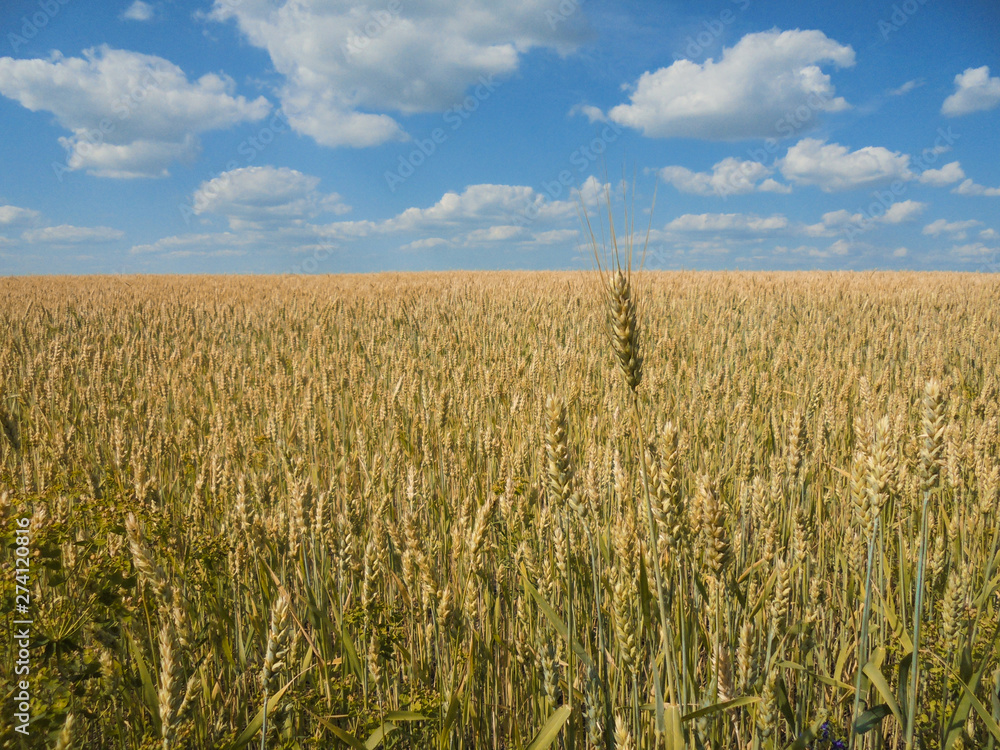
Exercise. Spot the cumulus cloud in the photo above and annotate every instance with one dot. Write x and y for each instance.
(971, 250)
(957, 228)
(138, 11)
(130, 114)
(832, 167)
(592, 113)
(426, 243)
(974, 91)
(555, 236)
(841, 220)
(24, 231)
(269, 209)
(202, 244)
(346, 64)
(483, 203)
(731, 176)
(253, 196)
(902, 211)
(949, 173)
(968, 187)
(499, 233)
(16, 216)
(758, 88)
(840, 247)
(740, 223)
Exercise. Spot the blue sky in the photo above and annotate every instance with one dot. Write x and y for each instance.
(258, 136)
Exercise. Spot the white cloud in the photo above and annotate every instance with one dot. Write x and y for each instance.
(347, 63)
(971, 250)
(130, 114)
(974, 91)
(268, 210)
(833, 167)
(253, 196)
(731, 176)
(949, 173)
(500, 233)
(808, 250)
(957, 228)
(427, 243)
(841, 220)
(757, 89)
(16, 216)
(209, 243)
(906, 87)
(902, 211)
(138, 11)
(773, 186)
(900, 252)
(727, 223)
(479, 204)
(141, 157)
(66, 234)
(592, 113)
(840, 217)
(968, 187)
(555, 236)
(27, 234)
(840, 247)
(593, 192)
(988, 234)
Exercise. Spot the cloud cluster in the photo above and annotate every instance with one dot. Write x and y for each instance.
(270, 208)
(731, 176)
(13, 216)
(968, 187)
(832, 167)
(265, 195)
(949, 173)
(974, 91)
(843, 220)
(757, 85)
(25, 231)
(346, 64)
(743, 223)
(130, 114)
(959, 229)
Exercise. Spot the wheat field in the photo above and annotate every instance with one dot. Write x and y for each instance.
(505, 510)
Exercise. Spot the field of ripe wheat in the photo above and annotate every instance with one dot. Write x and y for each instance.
(502, 510)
